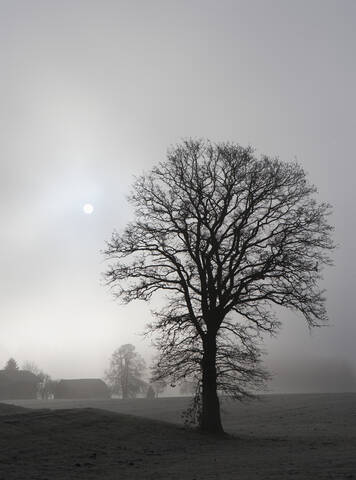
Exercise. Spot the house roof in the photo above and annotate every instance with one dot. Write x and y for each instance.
(82, 385)
(22, 376)
(81, 388)
(87, 382)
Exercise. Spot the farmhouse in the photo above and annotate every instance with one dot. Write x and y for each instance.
(18, 384)
(82, 388)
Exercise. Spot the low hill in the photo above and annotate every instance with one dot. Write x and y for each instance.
(299, 436)
(8, 409)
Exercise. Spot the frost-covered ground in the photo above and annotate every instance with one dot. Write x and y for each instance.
(280, 437)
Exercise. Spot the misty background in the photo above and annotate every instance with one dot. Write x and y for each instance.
(94, 92)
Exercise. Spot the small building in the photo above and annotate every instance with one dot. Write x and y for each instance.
(18, 385)
(82, 388)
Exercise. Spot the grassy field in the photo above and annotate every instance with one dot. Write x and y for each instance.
(279, 437)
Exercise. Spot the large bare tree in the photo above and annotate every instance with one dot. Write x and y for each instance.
(226, 236)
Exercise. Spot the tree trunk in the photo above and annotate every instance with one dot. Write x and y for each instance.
(210, 419)
(124, 385)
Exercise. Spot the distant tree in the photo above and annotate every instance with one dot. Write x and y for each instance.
(159, 387)
(31, 367)
(46, 385)
(228, 236)
(11, 365)
(125, 372)
(150, 394)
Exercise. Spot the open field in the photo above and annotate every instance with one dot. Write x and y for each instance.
(280, 437)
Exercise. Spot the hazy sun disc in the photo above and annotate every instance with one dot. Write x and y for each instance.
(88, 208)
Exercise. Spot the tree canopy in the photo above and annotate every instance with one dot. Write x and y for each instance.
(125, 372)
(226, 235)
(11, 365)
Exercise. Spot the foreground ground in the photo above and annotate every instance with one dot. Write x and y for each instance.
(293, 436)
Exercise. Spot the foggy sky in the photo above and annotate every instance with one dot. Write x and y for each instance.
(94, 92)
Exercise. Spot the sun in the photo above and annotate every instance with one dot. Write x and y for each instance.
(88, 208)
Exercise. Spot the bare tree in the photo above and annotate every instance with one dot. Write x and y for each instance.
(125, 372)
(150, 394)
(226, 236)
(31, 367)
(159, 387)
(46, 385)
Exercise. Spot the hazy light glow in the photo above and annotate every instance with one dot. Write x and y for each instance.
(88, 208)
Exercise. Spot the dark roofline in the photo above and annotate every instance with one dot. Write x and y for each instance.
(18, 373)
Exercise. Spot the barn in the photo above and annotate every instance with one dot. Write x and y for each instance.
(82, 388)
(18, 384)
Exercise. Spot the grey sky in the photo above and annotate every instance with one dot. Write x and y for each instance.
(93, 92)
